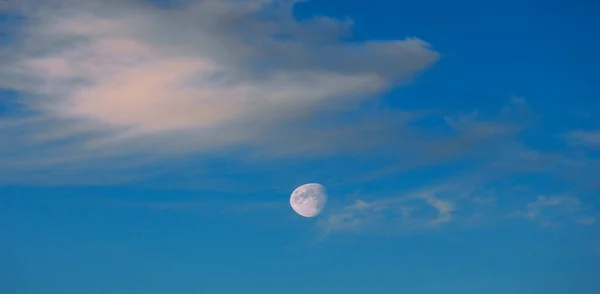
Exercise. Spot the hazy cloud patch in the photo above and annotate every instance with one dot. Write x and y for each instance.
(99, 80)
(552, 211)
(587, 138)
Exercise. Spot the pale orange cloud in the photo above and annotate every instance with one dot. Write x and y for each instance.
(119, 76)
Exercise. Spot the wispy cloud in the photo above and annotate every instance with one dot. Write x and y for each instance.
(416, 210)
(589, 138)
(118, 69)
(551, 211)
(478, 199)
(108, 93)
(101, 80)
(587, 219)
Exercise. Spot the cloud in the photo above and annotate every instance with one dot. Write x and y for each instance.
(98, 80)
(107, 92)
(482, 197)
(120, 69)
(587, 220)
(550, 211)
(588, 138)
(422, 209)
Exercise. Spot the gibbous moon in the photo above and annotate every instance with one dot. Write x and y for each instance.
(309, 200)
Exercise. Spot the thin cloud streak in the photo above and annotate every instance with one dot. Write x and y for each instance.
(588, 138)
(414, 211)
(553, 211)
(474, 200)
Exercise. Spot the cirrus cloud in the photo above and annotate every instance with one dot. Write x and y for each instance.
(120, 67)
(97, 80)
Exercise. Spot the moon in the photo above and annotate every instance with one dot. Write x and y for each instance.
(309, 200)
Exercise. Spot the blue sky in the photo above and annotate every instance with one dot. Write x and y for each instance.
(151, 146)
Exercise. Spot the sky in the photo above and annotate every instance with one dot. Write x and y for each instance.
(151, 146)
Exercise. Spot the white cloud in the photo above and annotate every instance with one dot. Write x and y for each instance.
(534, 208)
(550, 211)
(480, 198)
(138, 70)
(416, 210)
(444, 209)
(101, 79)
